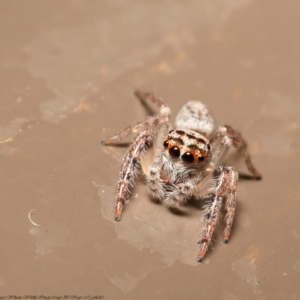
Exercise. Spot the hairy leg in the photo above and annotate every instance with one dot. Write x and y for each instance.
(130, 169)
(226, 183)
(153, 174)
(240, 144)
(211, 220)
(230, 205)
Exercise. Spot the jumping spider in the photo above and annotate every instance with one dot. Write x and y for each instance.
(182, 161)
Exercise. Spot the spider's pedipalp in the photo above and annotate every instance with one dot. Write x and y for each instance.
(182, 192)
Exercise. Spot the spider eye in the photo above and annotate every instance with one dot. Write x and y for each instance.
(201, 158)
(187, 157)
(174, 152)
(166, 144)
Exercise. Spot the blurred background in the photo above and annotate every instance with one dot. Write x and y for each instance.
(68, 71)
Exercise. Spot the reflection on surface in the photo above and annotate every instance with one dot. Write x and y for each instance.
(147, 225)
(152, 226)
(127, 279)
(48, 238)
(247, 271)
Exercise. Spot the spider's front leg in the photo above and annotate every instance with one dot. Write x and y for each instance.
(130, 169)
(227, 181)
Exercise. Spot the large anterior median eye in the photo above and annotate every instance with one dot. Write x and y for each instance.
(187, 157)
(174, 152)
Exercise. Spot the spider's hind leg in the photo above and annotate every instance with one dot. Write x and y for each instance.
(240, 144)
(147, 123)
(161, 118)
(226, 137)
(143, 96)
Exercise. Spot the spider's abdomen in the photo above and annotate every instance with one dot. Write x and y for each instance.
(195, 116)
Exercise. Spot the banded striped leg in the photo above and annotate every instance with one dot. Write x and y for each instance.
(130, 169)
(212, 217)
(226, 184)
(230, 205)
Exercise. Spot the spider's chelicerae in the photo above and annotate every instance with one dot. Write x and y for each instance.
(183, 160)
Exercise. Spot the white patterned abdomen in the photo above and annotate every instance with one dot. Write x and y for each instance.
(194, 115)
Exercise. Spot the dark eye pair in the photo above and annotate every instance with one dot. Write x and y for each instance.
(186, 157)
(175, 153)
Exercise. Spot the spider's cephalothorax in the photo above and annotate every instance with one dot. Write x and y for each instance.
(178, 162)
(189, 146)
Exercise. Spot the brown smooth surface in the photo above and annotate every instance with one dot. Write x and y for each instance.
(68, 70)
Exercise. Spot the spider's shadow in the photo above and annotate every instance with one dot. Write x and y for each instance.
(191, 205)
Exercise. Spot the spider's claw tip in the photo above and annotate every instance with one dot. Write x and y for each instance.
(199, 259)
(225, 241)
(103, 143)
(117, 219)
